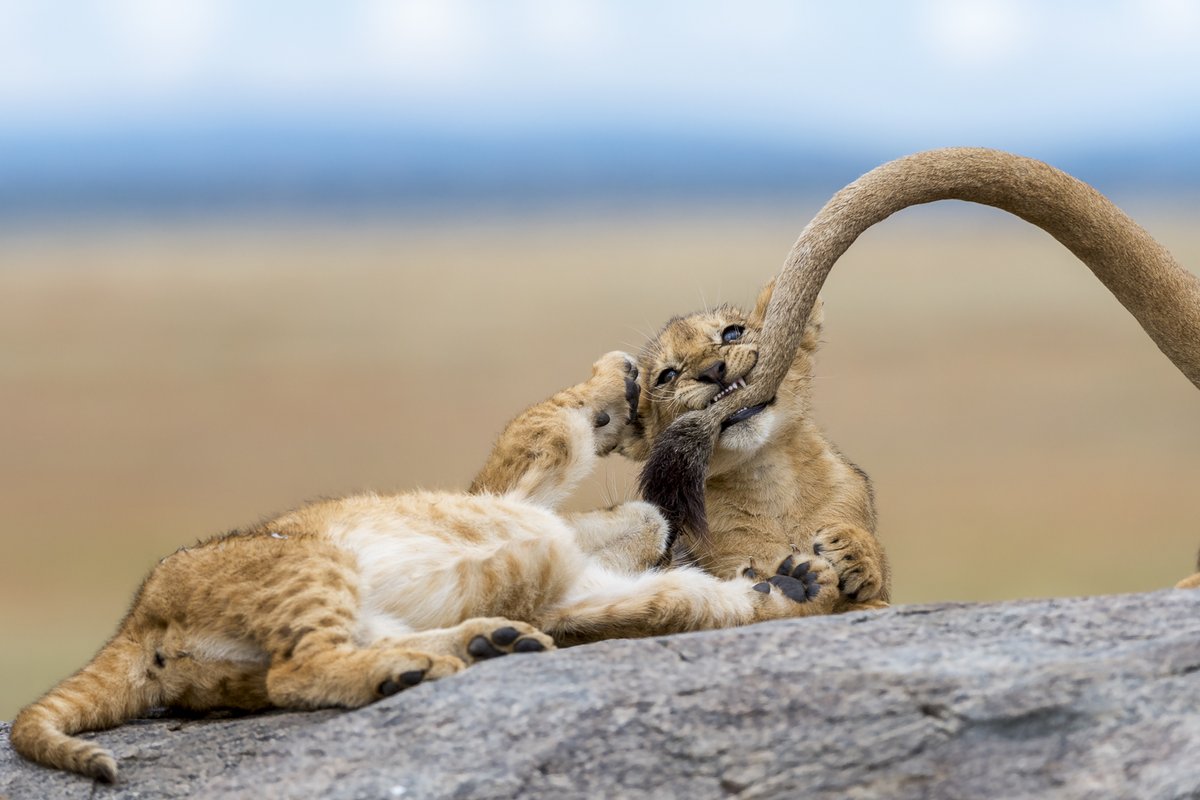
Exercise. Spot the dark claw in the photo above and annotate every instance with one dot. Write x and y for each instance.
(481, 648)
(389, 687)
(763, 587)
(506, 635)
(631, 394)
(528, 646)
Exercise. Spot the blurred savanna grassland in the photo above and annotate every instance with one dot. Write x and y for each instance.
(164, 384)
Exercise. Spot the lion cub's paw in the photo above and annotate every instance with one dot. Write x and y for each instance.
(802, 580)
(492, 637)
(612, 397)
(408, 675)
(1190, 582)
(855, 556)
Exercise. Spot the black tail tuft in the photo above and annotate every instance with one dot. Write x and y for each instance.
(674, 475)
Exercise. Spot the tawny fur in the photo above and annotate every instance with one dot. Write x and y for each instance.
(1191, 581)
(344, 601)
(1143, 276)
(774, 485)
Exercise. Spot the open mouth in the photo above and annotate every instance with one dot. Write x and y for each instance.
(740, 383)
(742, 414)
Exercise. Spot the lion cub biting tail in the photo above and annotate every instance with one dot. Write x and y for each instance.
(342, 602)
(705, 400)
(775, 485)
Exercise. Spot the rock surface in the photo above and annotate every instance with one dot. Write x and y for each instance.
(1096, 697)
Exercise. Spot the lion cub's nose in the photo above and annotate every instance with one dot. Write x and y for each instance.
(713, 373)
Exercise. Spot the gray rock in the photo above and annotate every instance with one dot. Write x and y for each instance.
(1093, 697)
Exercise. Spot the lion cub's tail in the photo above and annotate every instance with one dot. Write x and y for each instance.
(112, 688)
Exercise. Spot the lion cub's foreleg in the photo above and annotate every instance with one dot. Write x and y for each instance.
(544, 453)
(858, 559)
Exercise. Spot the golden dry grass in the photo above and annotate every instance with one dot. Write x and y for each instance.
(1025, 437)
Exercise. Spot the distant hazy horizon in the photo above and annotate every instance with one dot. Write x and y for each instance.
(208, 106)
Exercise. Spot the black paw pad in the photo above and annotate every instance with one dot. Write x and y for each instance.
(763, 587)
(412, 677)
(791, 569)
(797, 590)
(601, 419)
(389, 687)
(528, 646)
(506, 635)
(481, 648)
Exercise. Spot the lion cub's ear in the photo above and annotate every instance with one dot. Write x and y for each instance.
(812, 331)
(760, 305)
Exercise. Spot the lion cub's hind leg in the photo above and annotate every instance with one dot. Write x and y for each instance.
(630, 537)
(316, 662)
(349, 676)
(808, 582)
(480, 639)
(609, 605)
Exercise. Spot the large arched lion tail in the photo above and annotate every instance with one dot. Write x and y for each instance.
(1162, 295)
(1142, 274)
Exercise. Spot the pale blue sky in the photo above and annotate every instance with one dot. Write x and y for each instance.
(144, 105)
(1010, 73)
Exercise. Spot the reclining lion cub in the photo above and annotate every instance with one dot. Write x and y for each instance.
(776, 487)
(342, 602)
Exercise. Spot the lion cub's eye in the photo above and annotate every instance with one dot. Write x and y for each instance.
(732, 333)
(666, 376)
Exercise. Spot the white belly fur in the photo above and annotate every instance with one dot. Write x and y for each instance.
(417, 574)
